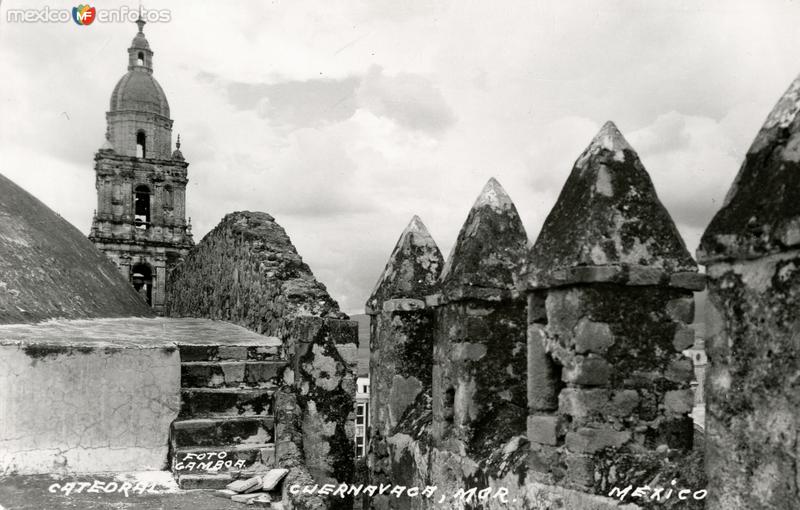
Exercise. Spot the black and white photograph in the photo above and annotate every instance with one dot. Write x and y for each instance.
(400, 255)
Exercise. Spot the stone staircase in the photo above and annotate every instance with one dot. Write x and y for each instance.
(225, 428)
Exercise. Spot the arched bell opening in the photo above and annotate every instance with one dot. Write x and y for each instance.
(141, 207)
(142, 280)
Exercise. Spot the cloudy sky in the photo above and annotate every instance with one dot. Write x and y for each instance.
(344, 119)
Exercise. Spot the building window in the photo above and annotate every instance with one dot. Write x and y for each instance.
(362, 428)
(140, 59)
(142, 280)
(361, 413)
(141, 207)
(360, 447)
(141, 144)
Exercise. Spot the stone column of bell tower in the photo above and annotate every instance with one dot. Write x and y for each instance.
(140, 221)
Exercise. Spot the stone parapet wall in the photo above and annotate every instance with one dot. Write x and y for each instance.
(558, 375)
(81, 408)
(479, 381)
(400, 386)
(323, 358)
(752, 404)
(401, 365)
(609, 390)
(624, 383)
(95, 395)
(479, 398)
(247, 271)
(751, 251)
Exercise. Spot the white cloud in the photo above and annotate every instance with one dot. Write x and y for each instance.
(344, 119)
(409, 99)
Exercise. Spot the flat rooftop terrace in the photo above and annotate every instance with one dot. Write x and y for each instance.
(133, 332)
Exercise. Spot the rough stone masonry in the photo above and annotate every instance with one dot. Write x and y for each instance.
(479, 338)
(559, 398)
(611, 386)
(751, 251)
(247, 271)
(401, 361)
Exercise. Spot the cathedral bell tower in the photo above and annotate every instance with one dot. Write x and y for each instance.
(140, 222)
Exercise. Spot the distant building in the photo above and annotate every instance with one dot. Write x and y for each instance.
(697, 353)
(362, 416)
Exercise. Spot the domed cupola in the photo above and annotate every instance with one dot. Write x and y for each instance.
(138, 90)
(139, 116)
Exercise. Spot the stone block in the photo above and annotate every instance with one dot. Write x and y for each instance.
(247, 485)
(267, 350)
(232, 352)
(683, 339)
(216, 374)
(623, 403)
(681, 309)
(536, 307)
(590, 440)
(680, 370)
(580, 469)
(468, 351)
(679, 401)
(544, 429)
(587, 371)
(677, 433)
(265, 501)
(581, 402)
(565, 307)
(645, 275)
(543, 458)
(222, 431)
(463, 293)
(403, 305)
(434, 300)
(192, 482)
(541, 372)
(214, 402)
(273, 477)
(267, 456)
(593, 337)
(593, 274)
(688, 280)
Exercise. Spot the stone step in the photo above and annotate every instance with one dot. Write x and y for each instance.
(221, 402)
(189, 482)
(216, 432)
(233, 460)
(216, 374)
(267, 351)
